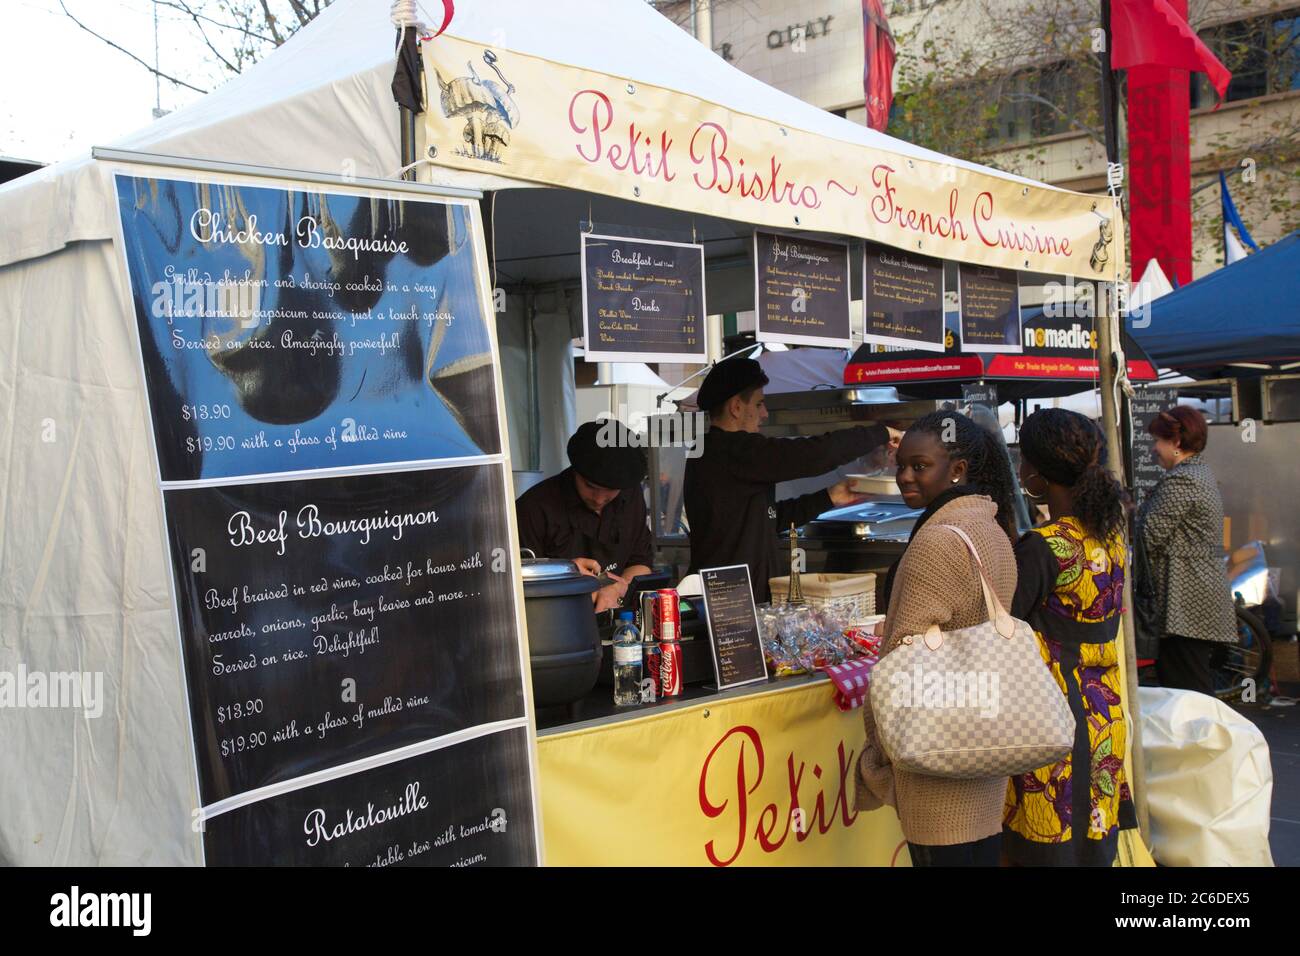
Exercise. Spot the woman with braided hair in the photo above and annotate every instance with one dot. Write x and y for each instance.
(956, 471)
(1070, 587)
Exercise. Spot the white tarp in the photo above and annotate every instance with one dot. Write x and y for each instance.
(1209, 781)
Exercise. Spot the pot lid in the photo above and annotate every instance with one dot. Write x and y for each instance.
(548, 569)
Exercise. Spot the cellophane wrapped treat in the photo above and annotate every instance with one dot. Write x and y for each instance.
(801, 638)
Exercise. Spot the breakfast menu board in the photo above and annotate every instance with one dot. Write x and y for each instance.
(902, 299)
(1145, 406)
(733, 626)
(989, 305)
(324, 395)
(642, 300)
(801, 290)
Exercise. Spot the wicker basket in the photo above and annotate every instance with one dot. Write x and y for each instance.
(851, 594)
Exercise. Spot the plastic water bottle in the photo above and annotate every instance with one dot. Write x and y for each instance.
(627, 662)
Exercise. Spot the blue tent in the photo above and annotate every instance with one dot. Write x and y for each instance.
(1248, 312)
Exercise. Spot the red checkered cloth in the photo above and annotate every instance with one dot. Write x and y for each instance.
(851, 680)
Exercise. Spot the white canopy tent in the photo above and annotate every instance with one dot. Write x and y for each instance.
(83, 566)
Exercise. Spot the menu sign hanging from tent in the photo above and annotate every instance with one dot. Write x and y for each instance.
(801, 290)
(324, 395)
(1146, 406)
(989, 305)
(642, 300)
(733, 626)
(902, 299)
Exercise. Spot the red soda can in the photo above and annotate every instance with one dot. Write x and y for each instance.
(670, 669)
(668, 616)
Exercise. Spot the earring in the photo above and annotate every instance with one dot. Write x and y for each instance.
(954, 481)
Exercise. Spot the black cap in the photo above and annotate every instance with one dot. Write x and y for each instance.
(728, 378)
(608, 454)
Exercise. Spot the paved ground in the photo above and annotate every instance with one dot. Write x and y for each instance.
(1281, 727)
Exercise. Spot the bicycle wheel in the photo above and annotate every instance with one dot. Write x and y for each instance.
(1251, 658)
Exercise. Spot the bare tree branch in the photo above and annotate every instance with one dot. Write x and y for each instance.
(184, 7)
(272, 23)
(152, 69)
(188, 10)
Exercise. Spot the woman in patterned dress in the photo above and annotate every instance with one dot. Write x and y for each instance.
(1179, 534)
(1070, 589)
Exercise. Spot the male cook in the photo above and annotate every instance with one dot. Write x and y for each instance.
(593, 512)
(730, 489)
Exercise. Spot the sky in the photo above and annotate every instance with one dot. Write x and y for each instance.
(62, 91)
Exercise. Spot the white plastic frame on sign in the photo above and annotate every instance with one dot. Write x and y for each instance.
(428, 461)
(601, 343)
(760, 299)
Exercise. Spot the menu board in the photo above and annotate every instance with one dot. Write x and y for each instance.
(1145, 407)
(989, 305)
(801, 290)
(902, 299)
(733, 626)
(642, 300)
(982, 394)
(324, 396)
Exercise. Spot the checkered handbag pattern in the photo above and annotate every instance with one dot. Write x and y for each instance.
(971, 703)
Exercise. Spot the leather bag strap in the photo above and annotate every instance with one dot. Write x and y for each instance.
(1002, 621)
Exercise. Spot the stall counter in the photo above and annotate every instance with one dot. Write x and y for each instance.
(756, 776)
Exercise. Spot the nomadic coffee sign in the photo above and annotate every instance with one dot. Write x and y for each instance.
(510, 114)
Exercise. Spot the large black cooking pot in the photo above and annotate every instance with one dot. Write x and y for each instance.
(563, 642)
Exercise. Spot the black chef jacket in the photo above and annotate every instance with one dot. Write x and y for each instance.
(554, 523)
(730, 494)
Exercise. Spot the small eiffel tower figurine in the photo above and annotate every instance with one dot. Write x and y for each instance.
(795, 595)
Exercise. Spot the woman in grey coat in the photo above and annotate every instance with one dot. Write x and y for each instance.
(1179, 537)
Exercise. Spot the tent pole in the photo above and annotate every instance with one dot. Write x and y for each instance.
(1111, 361)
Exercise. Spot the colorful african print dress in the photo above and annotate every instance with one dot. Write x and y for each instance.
(1071, 591)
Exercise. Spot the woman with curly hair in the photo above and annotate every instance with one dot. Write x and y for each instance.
(1070, 587)
(957, 472)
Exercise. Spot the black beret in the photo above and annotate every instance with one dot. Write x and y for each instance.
(608, 454)
(730, 377)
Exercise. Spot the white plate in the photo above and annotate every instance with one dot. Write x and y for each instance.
(873, 485)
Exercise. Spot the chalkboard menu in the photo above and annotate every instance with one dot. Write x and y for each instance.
(1146, 405)
(801, 290)
(642, 300)
(902, 299)
(324, 397)
(989, 305)
(733, 626)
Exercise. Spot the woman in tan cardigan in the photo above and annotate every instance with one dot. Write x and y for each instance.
(958, 472)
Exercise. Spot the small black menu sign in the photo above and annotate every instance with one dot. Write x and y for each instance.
(990, 309)
(1145, 407)
(801, 290)
(642, 300)
(902, 299)
(733, 626)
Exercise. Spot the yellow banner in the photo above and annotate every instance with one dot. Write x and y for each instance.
(495, 111)
(762, 780)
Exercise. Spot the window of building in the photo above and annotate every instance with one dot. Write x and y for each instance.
(1263, 54)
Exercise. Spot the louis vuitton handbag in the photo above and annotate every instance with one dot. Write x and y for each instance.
(973, 702)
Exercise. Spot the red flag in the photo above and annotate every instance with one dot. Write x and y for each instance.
(878, 73)
(1153, 33)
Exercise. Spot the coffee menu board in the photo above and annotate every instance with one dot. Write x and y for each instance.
(733, 626)
(324, 397)
(902, 299)
(1145, 406)
(642, 300)
(989, 305)
(801, 290)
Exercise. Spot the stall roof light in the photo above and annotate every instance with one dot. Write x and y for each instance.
(1267, 368)
(1290, 365)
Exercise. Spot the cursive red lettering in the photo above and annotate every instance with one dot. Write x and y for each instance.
(882, 204)
(983, 212)
(741, 793)
(602, 116)
(717, 157)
